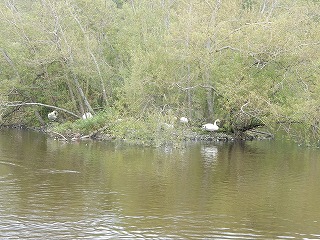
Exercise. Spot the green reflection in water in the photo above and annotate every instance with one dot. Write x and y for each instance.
(266, 189)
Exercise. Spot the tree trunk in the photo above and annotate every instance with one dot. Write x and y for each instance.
(104, 93)
(10, 62)
(210, 104)
(69, 60)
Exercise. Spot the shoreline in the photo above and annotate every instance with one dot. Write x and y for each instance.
(190, 137)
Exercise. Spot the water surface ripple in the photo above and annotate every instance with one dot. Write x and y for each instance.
(90, 190)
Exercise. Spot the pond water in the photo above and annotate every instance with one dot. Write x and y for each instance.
(91, 190)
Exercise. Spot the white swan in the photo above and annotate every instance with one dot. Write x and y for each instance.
(87, 115)
(53, 115)
(211, 127)
(184, 120)
(167, 126)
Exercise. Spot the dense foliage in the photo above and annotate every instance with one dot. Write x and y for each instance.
(248, 62)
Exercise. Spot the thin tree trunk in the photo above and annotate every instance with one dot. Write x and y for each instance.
(104, 93)
(73, 99)
(133, 6)
(209, 98)
(189, 93)
(79, 89)
(39, 117)
(189, 97)
(10, 62)
(70, 63)
(210, 91)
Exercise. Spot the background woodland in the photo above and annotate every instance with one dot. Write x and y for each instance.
(250, 63)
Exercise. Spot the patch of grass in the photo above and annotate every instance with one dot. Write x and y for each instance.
(154, 130)
(86, 126)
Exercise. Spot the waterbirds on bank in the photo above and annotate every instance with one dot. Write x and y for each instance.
(184, 120)
(52, 116)
(208, 126)
(87, 115)
(171, 123)
(211, 127)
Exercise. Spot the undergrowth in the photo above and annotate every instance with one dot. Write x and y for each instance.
(154, 130)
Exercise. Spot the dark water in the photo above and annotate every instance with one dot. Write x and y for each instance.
(90, 190)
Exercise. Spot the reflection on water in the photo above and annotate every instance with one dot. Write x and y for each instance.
(55, 190)
(209, 154)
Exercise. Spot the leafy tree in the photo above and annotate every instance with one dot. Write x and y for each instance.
(250, 63)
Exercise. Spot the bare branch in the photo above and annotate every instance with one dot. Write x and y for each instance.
(227, 47)
(17, 104)
(186, 88)
(59, 134)
(244, 106)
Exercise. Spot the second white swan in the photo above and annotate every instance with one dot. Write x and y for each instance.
(211, 127)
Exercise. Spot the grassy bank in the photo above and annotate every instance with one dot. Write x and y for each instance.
(154, 130)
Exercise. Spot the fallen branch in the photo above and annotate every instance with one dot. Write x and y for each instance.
(59, 134)
(17, 104)
(93, 134)
(270, 135)
(251, 115)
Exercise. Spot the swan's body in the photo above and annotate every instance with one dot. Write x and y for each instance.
(167, 126)
(87, 115)
(184, 120)
(211, 127)
(53, 115)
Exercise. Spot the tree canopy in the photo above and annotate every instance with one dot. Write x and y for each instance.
(249, 62)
